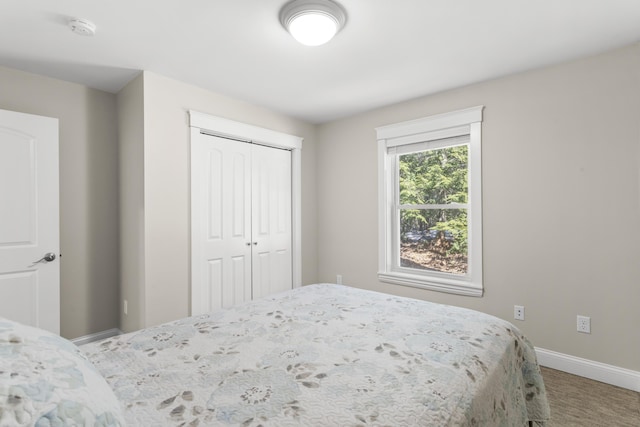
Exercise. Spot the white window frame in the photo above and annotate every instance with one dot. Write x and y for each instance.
(391, 140)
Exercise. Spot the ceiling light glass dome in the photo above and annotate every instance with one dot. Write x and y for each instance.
(312, 22)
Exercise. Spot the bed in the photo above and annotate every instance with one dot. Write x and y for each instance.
(320, 355)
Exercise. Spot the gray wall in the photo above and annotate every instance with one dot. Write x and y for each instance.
(561, 201)
(88, 193)
(131, 172)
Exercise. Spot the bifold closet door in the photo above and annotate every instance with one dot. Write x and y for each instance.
(220, 223)
(271, 220)
(241, 222)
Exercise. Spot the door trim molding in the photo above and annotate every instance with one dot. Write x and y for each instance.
(223, 127)
(219, 126)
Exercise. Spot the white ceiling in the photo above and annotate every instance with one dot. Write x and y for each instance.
(389, 50)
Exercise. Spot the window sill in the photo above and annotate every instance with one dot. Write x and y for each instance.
(450, 286)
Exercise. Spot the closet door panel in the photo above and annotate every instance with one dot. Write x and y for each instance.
(214, 282)
(221, 192)
(271, 220)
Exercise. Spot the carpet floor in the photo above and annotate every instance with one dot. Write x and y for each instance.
(578, 401)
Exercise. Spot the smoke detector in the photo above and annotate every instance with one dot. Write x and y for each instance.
(83, 27)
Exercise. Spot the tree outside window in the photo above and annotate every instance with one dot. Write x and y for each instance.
(433, 195)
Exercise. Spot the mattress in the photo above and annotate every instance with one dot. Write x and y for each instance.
(326, 355)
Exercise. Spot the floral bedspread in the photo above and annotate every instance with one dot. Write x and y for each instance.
(327, 355)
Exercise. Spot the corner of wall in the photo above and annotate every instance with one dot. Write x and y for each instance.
(131, 143)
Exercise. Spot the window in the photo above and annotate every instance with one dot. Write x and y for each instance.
(430, 206)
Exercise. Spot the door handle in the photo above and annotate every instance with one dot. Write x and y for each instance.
(48, 257)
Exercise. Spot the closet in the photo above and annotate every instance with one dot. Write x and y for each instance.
(241, 219)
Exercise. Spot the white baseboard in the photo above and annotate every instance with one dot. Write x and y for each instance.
(97, 336)
(602, 372)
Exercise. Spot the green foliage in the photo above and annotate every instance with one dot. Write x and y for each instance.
(431, 177)
(458, 227)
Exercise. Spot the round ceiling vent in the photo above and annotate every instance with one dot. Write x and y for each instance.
(83, 27)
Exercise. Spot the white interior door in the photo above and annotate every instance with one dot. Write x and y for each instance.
(271, 230)
(240, 221)
(29, 220)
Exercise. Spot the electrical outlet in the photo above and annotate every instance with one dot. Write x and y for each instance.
(584, 324)
(339, 279)
(518, 312)
(124, 307)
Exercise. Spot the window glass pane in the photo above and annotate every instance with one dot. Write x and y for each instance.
(434, 240)
(437, 176)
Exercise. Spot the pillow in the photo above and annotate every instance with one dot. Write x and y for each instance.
(46, 381)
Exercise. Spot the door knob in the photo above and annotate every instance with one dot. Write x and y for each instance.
(48, 257)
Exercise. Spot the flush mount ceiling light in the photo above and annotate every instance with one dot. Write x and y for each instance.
(312, 22)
